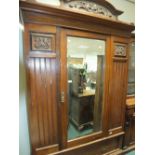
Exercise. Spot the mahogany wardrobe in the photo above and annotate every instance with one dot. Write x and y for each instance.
(76, 58)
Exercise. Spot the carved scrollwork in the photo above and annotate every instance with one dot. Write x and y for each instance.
(120, 50)
(90, 7)
(41, 42)
(97, 7)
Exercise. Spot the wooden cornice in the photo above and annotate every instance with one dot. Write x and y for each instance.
(66, 14)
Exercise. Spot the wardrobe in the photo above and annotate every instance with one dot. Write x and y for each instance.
(76, 58)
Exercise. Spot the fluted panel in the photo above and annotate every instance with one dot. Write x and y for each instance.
(43, 120)
(117, 93)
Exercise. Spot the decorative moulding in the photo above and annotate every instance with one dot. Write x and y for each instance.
(120, 50)
(41, 42)
(99, 7)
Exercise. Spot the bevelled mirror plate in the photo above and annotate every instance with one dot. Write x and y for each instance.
(85, 64)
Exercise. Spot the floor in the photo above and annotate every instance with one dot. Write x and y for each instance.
(131, 153)
(74, 133)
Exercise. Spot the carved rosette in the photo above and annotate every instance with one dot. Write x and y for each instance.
(120, 50)
(90, 7)
(41, 42)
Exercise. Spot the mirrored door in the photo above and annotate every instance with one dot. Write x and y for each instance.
(83, 71)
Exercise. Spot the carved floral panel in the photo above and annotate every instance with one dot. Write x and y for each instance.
(120, 50)
(41, 42)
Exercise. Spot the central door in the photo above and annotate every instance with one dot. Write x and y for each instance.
(83, 86)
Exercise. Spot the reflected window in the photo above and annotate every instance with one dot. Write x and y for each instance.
(85, 64)
(131, 70)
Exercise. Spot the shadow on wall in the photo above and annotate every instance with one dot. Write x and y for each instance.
(24, 143)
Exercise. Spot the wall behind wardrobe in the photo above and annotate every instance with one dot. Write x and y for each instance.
(24, 145)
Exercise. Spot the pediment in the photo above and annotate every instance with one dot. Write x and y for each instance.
(97, 7)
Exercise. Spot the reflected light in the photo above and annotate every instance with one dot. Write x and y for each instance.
(49, 2)
(21, 26)
(83, 46)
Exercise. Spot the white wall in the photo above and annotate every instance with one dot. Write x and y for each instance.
(127, 7)
(52, 2)
(24, 145)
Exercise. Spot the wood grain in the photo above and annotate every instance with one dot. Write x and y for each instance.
(118, 87)
(41, 79)
(46, 73)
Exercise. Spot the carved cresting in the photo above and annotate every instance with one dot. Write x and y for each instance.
(41, 42)
(91, 7)
(106, 9)
(120, 50)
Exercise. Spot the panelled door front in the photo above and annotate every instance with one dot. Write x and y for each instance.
(40, 54)
(118, 84)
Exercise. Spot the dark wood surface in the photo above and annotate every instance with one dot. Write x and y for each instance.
(99, 146)
(41, 83)
(47, 79)
(118, 87)
(129, 137)
(99, 94)
(82, 111)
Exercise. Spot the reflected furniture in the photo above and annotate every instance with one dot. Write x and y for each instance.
(82, 106)
(81, 100)
(129, 138)
(131, 68)
(46, 29)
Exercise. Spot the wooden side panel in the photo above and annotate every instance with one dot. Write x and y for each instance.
(117, 104)
(43, 100)
(118, 84)
(41, 65)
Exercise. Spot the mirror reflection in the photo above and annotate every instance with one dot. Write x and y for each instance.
(131, 70)
(85, 64)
